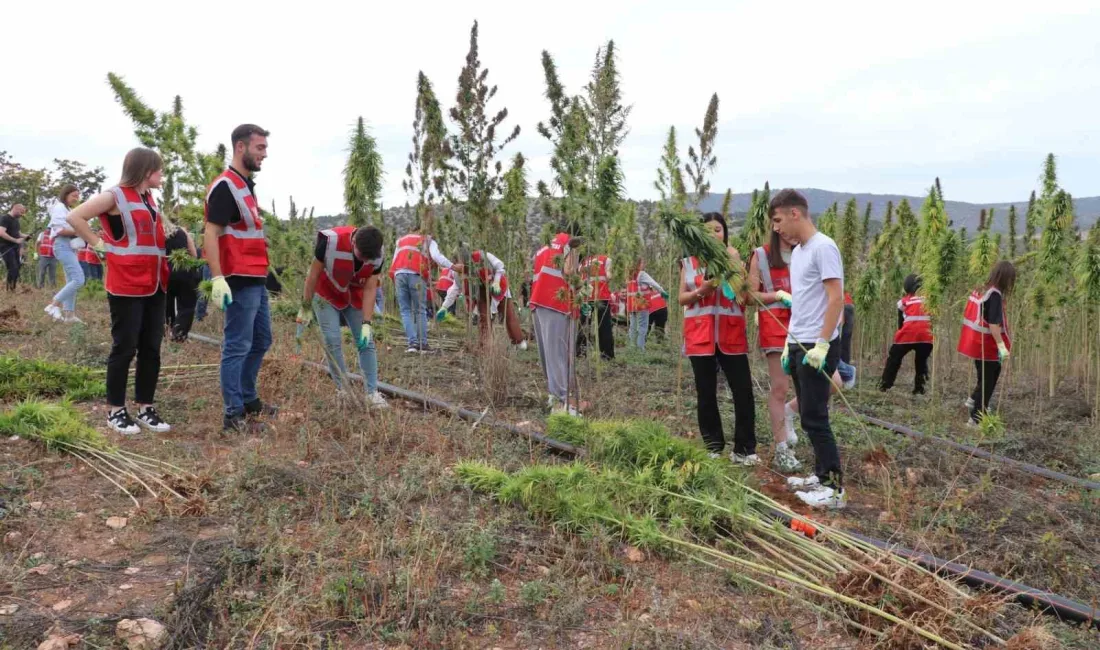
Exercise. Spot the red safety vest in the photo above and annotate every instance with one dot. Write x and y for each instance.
(87, 256)
(411, 254)
(976, 341)
(446, 280)
(712, 322)
(549, 289)
(341, 284)
(655, 300)
(485, 274)
(45, 245)
(242, 248)
(137, 264)
(597, 270)
(774, 318)
(916, 326)
(634, 302)
(848, 299)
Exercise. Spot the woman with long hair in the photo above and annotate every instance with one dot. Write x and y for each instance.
(715, 338)
(984, 337)
(914, 334)
(183, 282)
(132, 241)
(63, 306)
(771, 282)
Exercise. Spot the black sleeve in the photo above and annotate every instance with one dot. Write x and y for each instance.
(993, 309)
(221, 207)
(901, 318)
(319, 248)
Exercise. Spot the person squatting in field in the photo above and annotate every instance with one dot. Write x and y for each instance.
(985, 337)
(132, 240)
(341, 284)
(770, 276)
(914, 334)
(236, 252)
(715, 339)
(487, 291)
(555, 313)
(812, 350)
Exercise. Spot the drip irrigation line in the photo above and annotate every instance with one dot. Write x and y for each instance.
(1049, 603)
(980, 453)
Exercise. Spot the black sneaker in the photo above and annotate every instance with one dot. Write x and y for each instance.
(259, 407)
(148, 418)
(241, 424)
(121, 422)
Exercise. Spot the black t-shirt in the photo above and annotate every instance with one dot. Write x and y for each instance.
(222, 210)
(321, 247)
(114, 221)
(11, 225)
(993, 309)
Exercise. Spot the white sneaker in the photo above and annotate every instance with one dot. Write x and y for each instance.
(824, 497)
(788, 424)
(71, 318)
(376, 401)
(54, 312)
(523, 345)
(121, 422)
(714, 455)
(561, 408)
(745, 461)
(971, 423)
(412, 351)
(969, 403)
(808, 482)
(785, 461)
(148, 418)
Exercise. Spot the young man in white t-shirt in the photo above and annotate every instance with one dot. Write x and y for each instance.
(813, 345)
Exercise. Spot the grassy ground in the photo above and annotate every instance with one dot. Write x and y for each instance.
(345, 529)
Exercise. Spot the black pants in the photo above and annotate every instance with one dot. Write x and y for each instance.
(988, 374)
(736, 370)
(137, 325)
(893, 365)
(812, 389)
(12, 264)
(846, 333)
(604, 333)
(658, 320)
(180, 303)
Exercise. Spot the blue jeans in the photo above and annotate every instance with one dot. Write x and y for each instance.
(410, 298)
(328, 319)
(247, 338)
(74, 275)
(379, 300)
(847, 371)
(639, 328)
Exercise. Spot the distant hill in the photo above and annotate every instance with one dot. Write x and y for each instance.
(961, 213)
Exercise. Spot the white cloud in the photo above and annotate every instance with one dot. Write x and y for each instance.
(849, 95)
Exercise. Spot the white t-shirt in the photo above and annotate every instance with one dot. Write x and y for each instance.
(812, 262)
(58, 211)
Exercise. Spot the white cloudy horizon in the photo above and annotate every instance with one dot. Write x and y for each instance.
(849, 96)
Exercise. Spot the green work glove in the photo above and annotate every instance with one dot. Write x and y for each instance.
(220, 293)
(304, 317)
(1002, 352)
(441, 315)
(815, 358)
(664, 294)
(785, 359)
(496, 288)
(586, 309)
(783, 297)
(366, 335)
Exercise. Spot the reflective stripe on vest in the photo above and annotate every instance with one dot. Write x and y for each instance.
(126, 210)
(765, 269)
(333, 253)
(246, 228)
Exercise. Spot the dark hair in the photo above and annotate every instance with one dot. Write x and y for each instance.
(912, 284)
(1003, 277)
(788, 199)
(66, 189)
(244, 133)
(368, 241)
(717, 216)
(775, 251)
(138, 164)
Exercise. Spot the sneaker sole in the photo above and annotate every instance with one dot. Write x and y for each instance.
(122, 432)
(148, 427)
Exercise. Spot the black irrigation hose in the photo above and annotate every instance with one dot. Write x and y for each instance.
(981, 453)
(1049, 603)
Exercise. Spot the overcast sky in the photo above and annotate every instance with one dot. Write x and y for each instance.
(848, 96)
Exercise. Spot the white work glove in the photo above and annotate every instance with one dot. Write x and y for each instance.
(220, 293)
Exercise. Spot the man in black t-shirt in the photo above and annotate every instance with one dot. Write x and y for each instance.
(10, 243)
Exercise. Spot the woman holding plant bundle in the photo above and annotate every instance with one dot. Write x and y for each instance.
(715, 338)
(183, 279)
(914, 334)
(985, 337)
(771, 279)
(137, 276)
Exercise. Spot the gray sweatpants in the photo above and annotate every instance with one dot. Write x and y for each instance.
(46, 266)
(556, 336)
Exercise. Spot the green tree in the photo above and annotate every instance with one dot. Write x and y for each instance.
(826, 223)
(363, 175)
(888, 218)
(513, 211)
(848, 239)
(476, 144)
(701, 163)
(607, 115)
(1031, 222)
(1012, 218)
(757, 227)
(670, 181)
(427, 169)
(727, 203)
(865, 230)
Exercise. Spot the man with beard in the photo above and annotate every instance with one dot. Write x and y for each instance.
(236, 252)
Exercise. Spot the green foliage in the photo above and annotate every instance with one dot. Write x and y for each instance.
(848, 240)
(701, 163)
(607, 115)
(1031, 222)
(534, 593)
(983, 255)
(58, 426)
(756, 230)
(670, 181)
(93, 290)
(1087, 268)
(363, 174)
(1012, 218)
(427, 172)
(30, 378)
(479, 552)
(181, 259)
(826, 223)
(36, 188)
(513, 210)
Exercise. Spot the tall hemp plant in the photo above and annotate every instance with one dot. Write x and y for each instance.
(1087, 272)
(363, 174)
(702, 162)
(427, 170)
